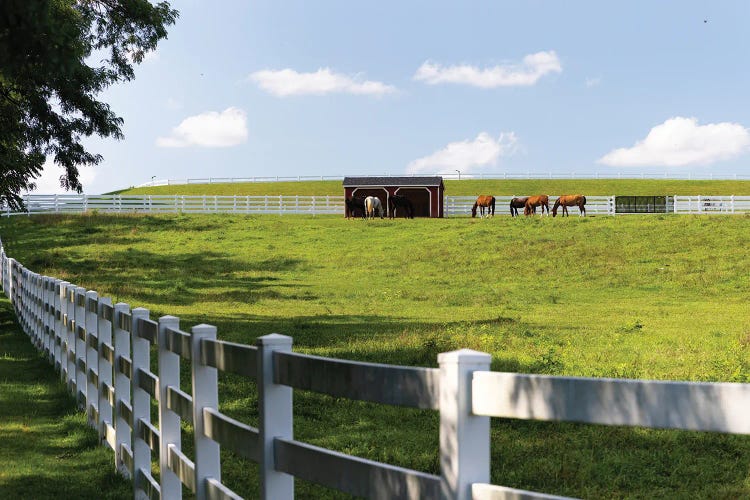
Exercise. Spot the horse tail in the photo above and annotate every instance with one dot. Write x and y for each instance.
(492, 204)
(584, 200)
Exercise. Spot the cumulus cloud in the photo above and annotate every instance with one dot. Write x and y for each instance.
(287, 82)
(208, 130)
(466, 156)
(680, 142)
(533, 67)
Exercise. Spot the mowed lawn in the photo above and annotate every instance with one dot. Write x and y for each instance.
(471, 187)
(655, 297)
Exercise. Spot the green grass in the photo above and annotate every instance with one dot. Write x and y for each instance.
(658, 297)
(46, 448)
(499, 187)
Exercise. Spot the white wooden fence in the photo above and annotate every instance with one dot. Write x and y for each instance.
(102, 352)
(454, 206)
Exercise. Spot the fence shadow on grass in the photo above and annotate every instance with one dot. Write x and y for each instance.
(46, 448)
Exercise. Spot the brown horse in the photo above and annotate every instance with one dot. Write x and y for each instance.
(484, 201)
(516, 203)
(536, 201)
(570, 200)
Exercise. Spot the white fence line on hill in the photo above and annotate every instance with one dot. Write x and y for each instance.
(454, 206)
(455, 176)
(103, 355)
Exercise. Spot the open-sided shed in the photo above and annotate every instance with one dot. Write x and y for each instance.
(425, 193)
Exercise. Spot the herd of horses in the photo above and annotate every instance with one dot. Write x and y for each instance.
(530, 204)
(371, 205)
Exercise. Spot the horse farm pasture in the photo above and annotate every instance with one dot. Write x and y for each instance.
(652, 297)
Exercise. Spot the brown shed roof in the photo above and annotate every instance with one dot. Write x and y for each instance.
(392, 181)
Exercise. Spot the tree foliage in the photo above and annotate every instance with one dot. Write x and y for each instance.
(50, 78)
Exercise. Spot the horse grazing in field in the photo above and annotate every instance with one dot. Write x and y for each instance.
(372, 203)
(516, 203)
(484, 201)
(395, 202)
(354, 204)
(570, 200)
(541, 200)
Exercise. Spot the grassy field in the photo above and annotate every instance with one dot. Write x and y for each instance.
(46, 448)
(555, 187)
(658, 297)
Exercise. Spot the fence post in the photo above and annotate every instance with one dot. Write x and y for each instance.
(464, 438)
(11, 286)
(205, 395)
(92, 358)
(79, 300)
(61, 351)
(141, 398)
(275, 409)
(123, 433)
(51, 321)
(169, 422)
(70, 336)
(104, 330)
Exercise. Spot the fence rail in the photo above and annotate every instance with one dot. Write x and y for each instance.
(103, 355)
(454, 206)
(456, 176)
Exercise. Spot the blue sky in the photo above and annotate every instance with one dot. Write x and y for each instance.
(258, 88)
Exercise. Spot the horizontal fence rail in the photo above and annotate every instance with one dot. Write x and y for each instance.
(457, 176)
(103, 354)
(454, 206)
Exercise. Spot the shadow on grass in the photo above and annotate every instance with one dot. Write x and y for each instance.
(46, 448)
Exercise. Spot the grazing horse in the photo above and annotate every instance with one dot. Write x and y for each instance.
(395, 202)
(570, 200)
(373, 203)
(536, 201)
(517, 203)
(484, 201)
(354, 204)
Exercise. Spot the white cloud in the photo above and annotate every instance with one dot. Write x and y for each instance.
(534, 67)
(681, 141)
(466, 156)
(209, 130)
(49, 181)
(287, 82)
(593, 82)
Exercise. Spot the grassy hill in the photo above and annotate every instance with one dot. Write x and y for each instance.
(497, 187)
(658, 297)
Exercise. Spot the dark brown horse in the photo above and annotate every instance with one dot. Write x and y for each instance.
(516, 203)
(354, 204)
(396, 201)
(541, 200)
(570, 200)
(484, 201)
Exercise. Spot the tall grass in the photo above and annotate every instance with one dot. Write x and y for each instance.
(657, 297)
